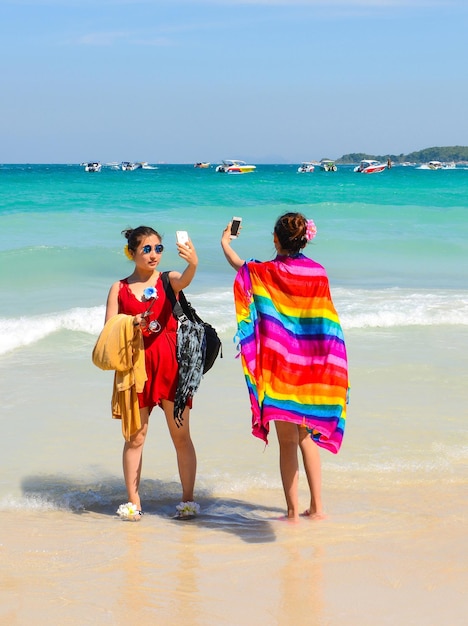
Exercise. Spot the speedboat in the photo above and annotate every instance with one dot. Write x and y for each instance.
(127, 166)
(234, 166)
(92, 166)
(306, 167)
(202, 165)
(438, 165)
(367, 166)
(327, 165)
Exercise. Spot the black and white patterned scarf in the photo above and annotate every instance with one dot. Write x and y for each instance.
(190, 357)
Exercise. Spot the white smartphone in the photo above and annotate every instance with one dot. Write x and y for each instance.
(182, 237)
(235, 225)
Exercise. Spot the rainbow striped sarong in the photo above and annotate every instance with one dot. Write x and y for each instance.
(292, 348)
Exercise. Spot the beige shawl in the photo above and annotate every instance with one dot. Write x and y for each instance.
(120, 347)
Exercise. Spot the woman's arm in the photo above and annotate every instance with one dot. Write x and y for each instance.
(232, 257)
(189, 254)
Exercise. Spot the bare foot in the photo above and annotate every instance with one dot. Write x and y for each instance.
(313, 516)
(285, 518)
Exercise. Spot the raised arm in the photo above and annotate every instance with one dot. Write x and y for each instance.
(231, 255)
(189, 254)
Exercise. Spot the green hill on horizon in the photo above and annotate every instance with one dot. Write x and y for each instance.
(448, 153)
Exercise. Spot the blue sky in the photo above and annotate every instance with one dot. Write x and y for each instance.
(262, 80)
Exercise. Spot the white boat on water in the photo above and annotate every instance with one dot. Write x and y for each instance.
(306, 167)
(92, 166)
(128, 166)
(234, 166)
(327, 165)
(368, 166)
(439, 165)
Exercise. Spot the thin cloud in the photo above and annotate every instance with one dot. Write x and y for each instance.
(166, 34)
(112, 38)
(102, 39)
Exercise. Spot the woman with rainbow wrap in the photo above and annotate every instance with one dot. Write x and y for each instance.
(293, 355)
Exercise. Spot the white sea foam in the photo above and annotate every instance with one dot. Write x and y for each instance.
(397, 307)
(23, 331)
(102, 491)
(356, 308)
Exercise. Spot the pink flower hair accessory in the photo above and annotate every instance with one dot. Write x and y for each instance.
(311, 230)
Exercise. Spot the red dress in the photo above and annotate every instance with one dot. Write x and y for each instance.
(160, 347)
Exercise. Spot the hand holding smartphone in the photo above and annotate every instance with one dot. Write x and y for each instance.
(235, 226)
(182, 237)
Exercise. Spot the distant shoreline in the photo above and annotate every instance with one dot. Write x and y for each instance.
(445, 154)
(459, 154)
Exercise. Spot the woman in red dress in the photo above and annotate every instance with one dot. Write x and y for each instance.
(143, 290)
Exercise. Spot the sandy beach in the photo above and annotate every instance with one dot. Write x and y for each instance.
(379, 568)
(391, 551)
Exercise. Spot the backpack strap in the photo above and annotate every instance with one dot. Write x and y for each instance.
(180, 308)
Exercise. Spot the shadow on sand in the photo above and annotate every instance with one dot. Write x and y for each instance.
(249, 522)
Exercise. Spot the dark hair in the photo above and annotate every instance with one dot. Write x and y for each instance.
(291, 229)
(135, 235)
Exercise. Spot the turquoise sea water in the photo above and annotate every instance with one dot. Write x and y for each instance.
(395, 246)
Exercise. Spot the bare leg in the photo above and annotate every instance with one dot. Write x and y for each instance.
(313, 470)
(185, 451)
(288, 439)
(132, 460)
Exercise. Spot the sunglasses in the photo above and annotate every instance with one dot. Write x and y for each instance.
(158, 248)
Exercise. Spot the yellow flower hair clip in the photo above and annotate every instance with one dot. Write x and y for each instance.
(128, 253)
